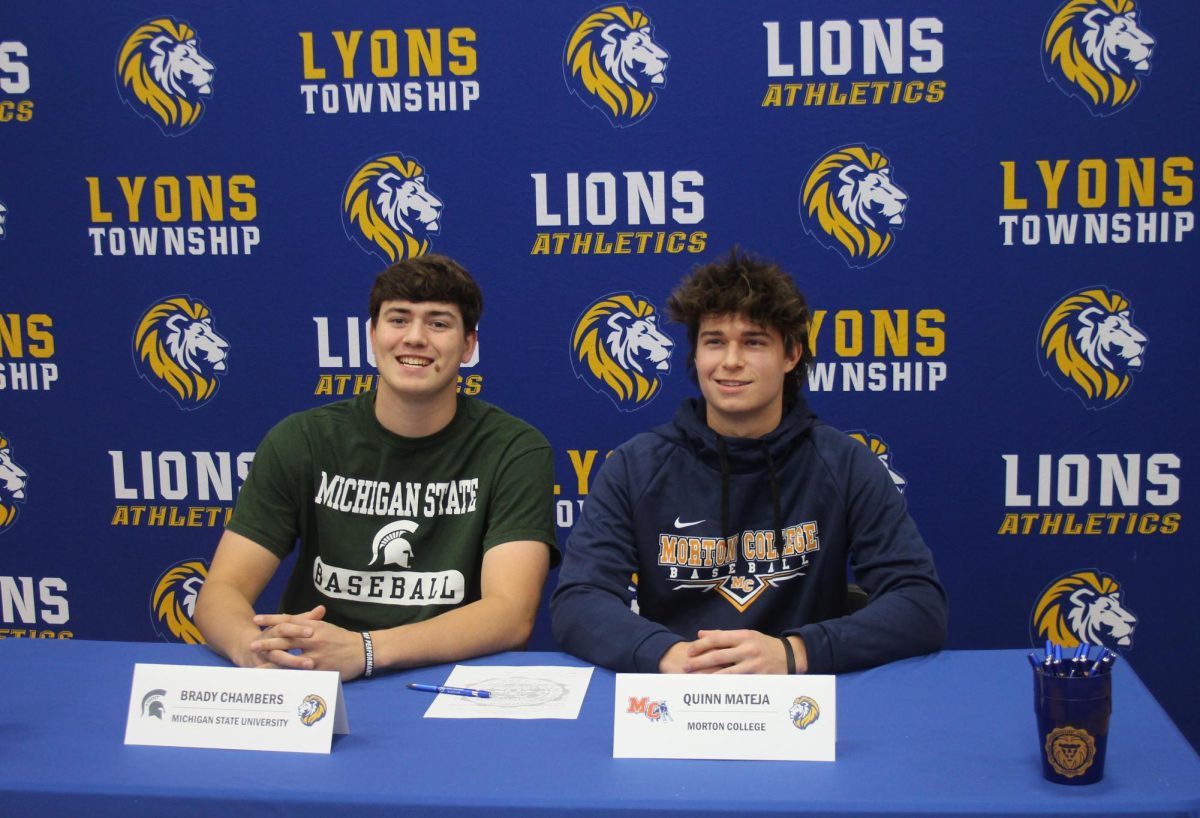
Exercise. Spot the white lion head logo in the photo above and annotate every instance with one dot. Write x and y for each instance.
(3, 216)
(619, 350)
(162, 75)
(389, 210)
(12, 485)
(1083, 607)
(851, 204)
(613, 64)
(311, 710)
(390, 547)
(1088, 345)
(1094, 50)
(804, 711)
(173, 603)
(177, 350)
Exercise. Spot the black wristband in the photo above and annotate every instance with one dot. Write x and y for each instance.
(789, 653)
(369, 652)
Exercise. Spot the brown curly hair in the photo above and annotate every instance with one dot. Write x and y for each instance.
(430, 277)
(746, 285)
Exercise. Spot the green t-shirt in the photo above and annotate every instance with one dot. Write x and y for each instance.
(392, 530)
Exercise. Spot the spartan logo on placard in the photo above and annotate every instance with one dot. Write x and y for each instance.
(388, 210)
(880, 449)
(613, 64)
(1082, 607)
(390, 547)
(850, 204)
(618, 350)
(1094, 50)
(174, 602)
(1088, 345)
(177, 351)
(804, 711)
(152, 704)
(311, 710)
(162, 75)
(13, 479)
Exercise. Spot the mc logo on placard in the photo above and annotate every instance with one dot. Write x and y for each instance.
(1094, 50)
(173, 603)
(618, 350)
(388, 210)
(177, 350)
(162, 75)
(849, 203)
(613, 64)
(880, 449)
(1088, 345)
(13, 479)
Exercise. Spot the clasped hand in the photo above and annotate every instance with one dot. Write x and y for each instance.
(306, 642)
(718, 651)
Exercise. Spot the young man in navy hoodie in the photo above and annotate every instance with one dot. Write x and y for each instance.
(739, 518)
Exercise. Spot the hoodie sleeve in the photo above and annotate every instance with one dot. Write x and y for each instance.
(906, 611)
(590, 609)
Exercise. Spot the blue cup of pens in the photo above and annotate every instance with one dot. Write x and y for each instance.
(1072, 697)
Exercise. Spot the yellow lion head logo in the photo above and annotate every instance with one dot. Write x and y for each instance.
(311, 710)
(162, 75)
(613, 64)
(174, 602)
(1094, 50)
(1088, 345)
(12, 485)
(177, 350)
(880, 449)
(388, 210)
(1083, 607)
(618, 350)
(804, 711)
(850, 204)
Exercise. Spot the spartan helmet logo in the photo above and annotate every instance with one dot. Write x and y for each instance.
(390, 547)
(152, 704)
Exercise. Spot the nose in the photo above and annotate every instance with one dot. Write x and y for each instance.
(414, 334)
(732, 359)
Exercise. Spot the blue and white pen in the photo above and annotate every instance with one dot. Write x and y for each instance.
(1078, 660)
(453, 691)
(1103, 663)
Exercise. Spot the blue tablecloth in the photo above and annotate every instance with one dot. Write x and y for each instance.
(952, 733)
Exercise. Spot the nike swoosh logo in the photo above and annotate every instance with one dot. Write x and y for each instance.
(679, 524)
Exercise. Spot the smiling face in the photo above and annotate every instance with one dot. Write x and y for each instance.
(419, 347)
(740, 367)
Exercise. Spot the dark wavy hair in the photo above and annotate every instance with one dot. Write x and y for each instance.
(430, 277)
(757, 289)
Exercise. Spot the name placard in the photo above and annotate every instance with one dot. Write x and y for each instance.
(231, 708)
(775, 718)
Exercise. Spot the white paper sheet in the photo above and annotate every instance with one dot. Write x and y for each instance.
(530, 692)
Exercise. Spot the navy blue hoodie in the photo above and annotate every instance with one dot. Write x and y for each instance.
(728, 533)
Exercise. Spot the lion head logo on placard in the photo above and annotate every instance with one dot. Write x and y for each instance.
(804, 711)
(1095, 50)
(1083, 607)
(173, 603)
(311, 710)
(618, 350)
(177, 350)
(162, 75)
(1088, 345)
(851, 204)
(613, 64)
(388, 209)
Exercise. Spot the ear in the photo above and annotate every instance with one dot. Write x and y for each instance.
(791, 357)
(1095, 18)
(1088, 317)
(469, 349)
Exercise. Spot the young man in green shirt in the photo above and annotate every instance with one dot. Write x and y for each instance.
(424, 520)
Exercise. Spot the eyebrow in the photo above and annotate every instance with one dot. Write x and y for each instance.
(427, 314)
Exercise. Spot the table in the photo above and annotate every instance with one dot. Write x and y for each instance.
(952, 733)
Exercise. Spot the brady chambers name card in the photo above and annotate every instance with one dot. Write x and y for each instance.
(775, 718)
(235, 708)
